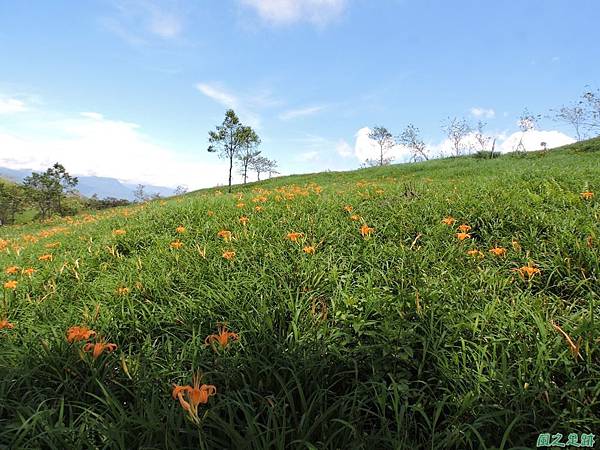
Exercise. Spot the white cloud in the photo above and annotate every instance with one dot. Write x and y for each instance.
(218, 94)
(284, 12)
(483, 113)
(366, 148)
(308, 156)
(532, 140)
(344, 149)
(301, 112)
(135, 20)
(92, 144)
(11, 106)
(246, 107)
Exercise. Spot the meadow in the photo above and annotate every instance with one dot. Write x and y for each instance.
(451, 304)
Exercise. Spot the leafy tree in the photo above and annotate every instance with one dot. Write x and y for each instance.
(230, 138)
(248, 151)
(48, 190)
(457, 130)
(411, 139)
(385, 141)
(12, 202)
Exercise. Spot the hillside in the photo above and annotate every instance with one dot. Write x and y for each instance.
(90, 185)
(451, 304)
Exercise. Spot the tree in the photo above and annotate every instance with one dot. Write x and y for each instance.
(260, 164)
(230, 138)
(181, 189)
(411, 139)
(12, 202)
(457, 130)
(272, 168)
(248, 151)
(574, 115)
(480, 136)
(139, 194)
(385, 141)
(49, 189)
(591, 103)
(527, 122)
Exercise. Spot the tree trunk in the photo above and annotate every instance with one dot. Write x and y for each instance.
(230, 168)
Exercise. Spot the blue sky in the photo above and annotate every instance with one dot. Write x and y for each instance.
(130, 88)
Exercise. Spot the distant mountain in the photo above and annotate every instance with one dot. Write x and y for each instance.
(88, 185)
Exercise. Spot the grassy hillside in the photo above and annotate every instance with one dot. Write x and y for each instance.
(402, 336)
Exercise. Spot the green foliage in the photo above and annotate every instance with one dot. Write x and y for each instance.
(48, 190)
(392, 341)
(12, 202)
(230, 139)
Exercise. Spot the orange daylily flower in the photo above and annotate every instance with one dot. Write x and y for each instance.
(348, 208)
(176, 245)
(366, 230)
(99, 347)
(244, 220)
(527, 271)
(123, 290)
(573, 347)
(76, 333)
(498, 251)
(464, 228)
(477, 253)
(12, 284)
(180, 229)
(222, 337)
(587, 195)
(29, 271)
(53, 245)
(355, 217)
(258, 208)
(190, 397)
(449, 220)
(11, 270)
(6, 325)
(46, 257)
(309, 249)
(225, 234)
(119, 232)
(240, 205)
(463, 236)
(294, 236)
(229, 255)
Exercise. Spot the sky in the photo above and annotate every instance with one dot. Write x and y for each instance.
(130, 88)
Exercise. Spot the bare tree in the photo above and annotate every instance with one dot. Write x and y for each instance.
(272, 168)
(139, 194)
(574, 115)
(457, 130)
(527, 122)
(481, 137)
(591, 102)
(260, 164)
(385, 141)
(411, 138)
(181, 189)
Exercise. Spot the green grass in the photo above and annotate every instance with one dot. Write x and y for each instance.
(398, 340)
